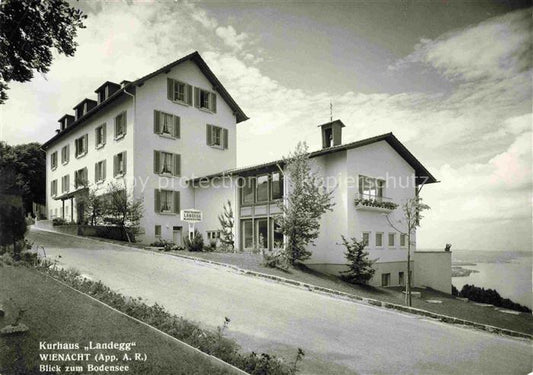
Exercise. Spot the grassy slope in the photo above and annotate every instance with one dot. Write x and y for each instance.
(450, 305)
(56, 313)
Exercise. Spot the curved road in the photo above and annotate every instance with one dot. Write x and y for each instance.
(338, 337)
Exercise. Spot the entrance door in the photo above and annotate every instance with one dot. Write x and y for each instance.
(177, 236)
(247, 233)
(261, 233)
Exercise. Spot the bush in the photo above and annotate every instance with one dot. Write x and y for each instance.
(360, 269)
(482, 295)
(275, 258)
(197, 242)
(212, 244)
(58, 221)
(455, 292)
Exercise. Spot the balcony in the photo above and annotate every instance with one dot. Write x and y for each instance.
(368, 202)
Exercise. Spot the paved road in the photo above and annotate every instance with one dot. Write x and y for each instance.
(339, 337)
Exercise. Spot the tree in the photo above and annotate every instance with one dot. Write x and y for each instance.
(411, 216)
(29, 29)
(360, 268)
(123, 209)
(94, 205)
(307, 201)
(29, 163)
(227, 220)
(12, 220)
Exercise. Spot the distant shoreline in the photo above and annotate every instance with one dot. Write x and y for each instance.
(458, 271)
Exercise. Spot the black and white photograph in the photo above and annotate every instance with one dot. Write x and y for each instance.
(266, 187)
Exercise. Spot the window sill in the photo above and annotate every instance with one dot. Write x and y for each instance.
(99, 146)
(166, 175)
(206, 110)
(120, 175)
(217, 147)
(181, 103)
(119, 137)
(164, 135)
(54, 168)
(100, 182)
(167, 213)
(64, 162)
(81, 155)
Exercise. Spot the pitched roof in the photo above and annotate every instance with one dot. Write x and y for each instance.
(423, 176)
(195, 57)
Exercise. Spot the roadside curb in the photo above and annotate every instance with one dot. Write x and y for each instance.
(209, 357)
(370, 301)
(332, 292)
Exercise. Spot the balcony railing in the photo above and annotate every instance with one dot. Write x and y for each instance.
(372, 201)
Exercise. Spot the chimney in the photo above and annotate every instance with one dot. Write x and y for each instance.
(331, 133)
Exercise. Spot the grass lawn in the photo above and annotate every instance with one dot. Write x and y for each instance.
(450, 306)
(56, 313)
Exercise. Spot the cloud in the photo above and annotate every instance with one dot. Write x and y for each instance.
(231, 37)
(497, 48)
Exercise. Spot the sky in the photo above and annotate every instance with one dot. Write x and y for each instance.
(451, 79)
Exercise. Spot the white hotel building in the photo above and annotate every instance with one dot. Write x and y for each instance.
(159, 133)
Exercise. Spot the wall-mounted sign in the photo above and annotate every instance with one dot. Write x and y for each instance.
(191, 216)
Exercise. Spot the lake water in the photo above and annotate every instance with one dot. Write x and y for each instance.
(508, 272)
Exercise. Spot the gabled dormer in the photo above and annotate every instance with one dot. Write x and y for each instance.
(83, 107)
(65, 121)
(331, 133)
(107, 89)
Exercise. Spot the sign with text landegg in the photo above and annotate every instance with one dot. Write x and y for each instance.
(191, 216)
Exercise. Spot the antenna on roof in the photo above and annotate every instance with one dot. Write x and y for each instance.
(330, 111)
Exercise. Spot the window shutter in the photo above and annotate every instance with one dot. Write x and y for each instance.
(116, 127)
(115, 165)
(170, 89)
(208, 134)
(156, 122)
(104, 134)
(125, 161)
(213, 102)
(68, 153)
(68, 182)
(177, 164)
(197, 97)
(176, 202)
(103, 169)
(125, 121)
(156, 162)
(96, 172)
(225, 140)
(86, 141)
(177, 124)
(157, 204)
(189, 94)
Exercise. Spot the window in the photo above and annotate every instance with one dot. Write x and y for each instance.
(403, 240)
(205, 99)
(120, 125)
(53, 188)
(157, 231)
(65, 154)
(247, 234)
(99, 171)
(53, 160)
(261, 230)
(385, 279)
(213, 234)
(180, 92)
(80, 178)
(217, 136)
(379, 239)
(100, 136)
(167, 201)
(119, 164)
(166, 163)
(392, 238)
(261, 191)
(277, 186)
(166, 124)
(81, 145)
(277, 236)
(247, 191)
(371, 188)
(366, 238)
(401, 278)
(65, 184)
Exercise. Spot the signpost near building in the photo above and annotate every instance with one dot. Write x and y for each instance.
(191, 216)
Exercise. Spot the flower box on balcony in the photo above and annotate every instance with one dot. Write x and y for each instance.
(374, 205)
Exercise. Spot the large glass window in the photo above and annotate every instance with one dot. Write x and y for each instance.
(247, 234)
(277, 236)
(261, 233)
(262, 188)
(371, 188)
(247, 191)
(277, 185)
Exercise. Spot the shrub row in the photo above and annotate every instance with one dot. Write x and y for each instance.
(213, 343)
(482, 295)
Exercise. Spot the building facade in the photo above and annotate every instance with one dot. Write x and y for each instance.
(170, 139)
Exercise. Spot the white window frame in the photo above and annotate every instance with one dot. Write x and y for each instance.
(371, 188)
(158, 236)
(176, 92)
(169, 202)
(65, 155)
(216, 136)
(204, 97)
(121, 127)
(121, 161)
(53, 188)
(166, 159)
(80, 141)
(65, 187)
(393, 240)
(53, 160)
(363, 238)
(403, 235)
(100, 133)
(166, 119)
(376, 240)
(99, 178)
